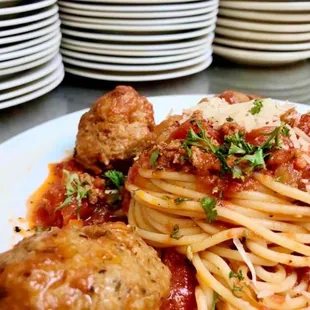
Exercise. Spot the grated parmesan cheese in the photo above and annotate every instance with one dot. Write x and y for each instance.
(246, 259)
(217, 110)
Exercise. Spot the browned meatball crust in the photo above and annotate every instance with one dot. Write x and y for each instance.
(96, 267)
(117, 127)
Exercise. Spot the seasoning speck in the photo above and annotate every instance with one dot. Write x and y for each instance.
(17, 229)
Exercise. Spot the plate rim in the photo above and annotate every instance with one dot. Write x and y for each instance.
(138, 8)
(33, 17)
(138, 15)
(27, 7)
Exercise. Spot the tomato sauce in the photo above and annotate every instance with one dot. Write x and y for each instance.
(183, 282)
(51, 194)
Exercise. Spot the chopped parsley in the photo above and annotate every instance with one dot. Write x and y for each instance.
(257, 106)
(175, 233)
(75, 191)
(229, 119)
(286, 131)
(42, 228)
(216, 299)
(154, 157)
(209, 206)
(237, 288)
(278, 179)
(179, 200)
(238, 275)
(116, 177)
(235, 145)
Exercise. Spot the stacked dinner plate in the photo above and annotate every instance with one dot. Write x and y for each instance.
(137, 40)
(263, 32)
(30, 63)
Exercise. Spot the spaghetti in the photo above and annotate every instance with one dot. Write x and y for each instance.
(238, 209)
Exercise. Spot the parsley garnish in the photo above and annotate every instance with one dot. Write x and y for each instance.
(42, 228)
(75, 190)
(116, 177)
(286, 131)
(257, 106)
(215, 300)
(229, 119)
(209, 206)
(238, 275)
(278, 179)
(235, 145)
(153, 157)
(175, 233)
(179, 200)
(237, 288)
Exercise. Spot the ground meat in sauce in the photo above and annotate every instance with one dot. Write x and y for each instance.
(233, 97)
(286, 162)
(304, 123)
(96, 267)
(98, 207)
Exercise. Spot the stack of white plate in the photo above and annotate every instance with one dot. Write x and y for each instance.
(30, 63)
(137, 40)
(263, 32)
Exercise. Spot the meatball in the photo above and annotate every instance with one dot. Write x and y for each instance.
(117, 127)
(232, 96)
(96, 267)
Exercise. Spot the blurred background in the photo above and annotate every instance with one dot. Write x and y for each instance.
(57, 57)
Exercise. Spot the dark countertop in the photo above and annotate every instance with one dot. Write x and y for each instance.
(75, 93)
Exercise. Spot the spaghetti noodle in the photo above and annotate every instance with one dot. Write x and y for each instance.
(241, 221)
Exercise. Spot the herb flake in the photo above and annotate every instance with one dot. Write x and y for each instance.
(116, 177)
(154, 157)
(237, 275)
(216, 299)
(175, 233)
(75, 191)
(209, 206)
(257, 106)
(179, 200)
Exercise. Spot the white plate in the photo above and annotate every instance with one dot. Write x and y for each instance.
(138, 8)
(140, 47)
(139, 38)
(140, 15)
(148, 22)
(37, 93)
(27, 8)
(24, 60)
(29, 65)
(265, 16)
(32, 75)
(259, 26)
(31, 18)
(135, 60)
(263, 36)
(31, 27)
(249, 57)
(152, 53)
(137, 68)
(263, 46)
(49, 143)
(32, 86)
(31, 50)
(141, 77)
(267, 6)
(137, 1)
(141, 28)
(19, 46)
(31, 35)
